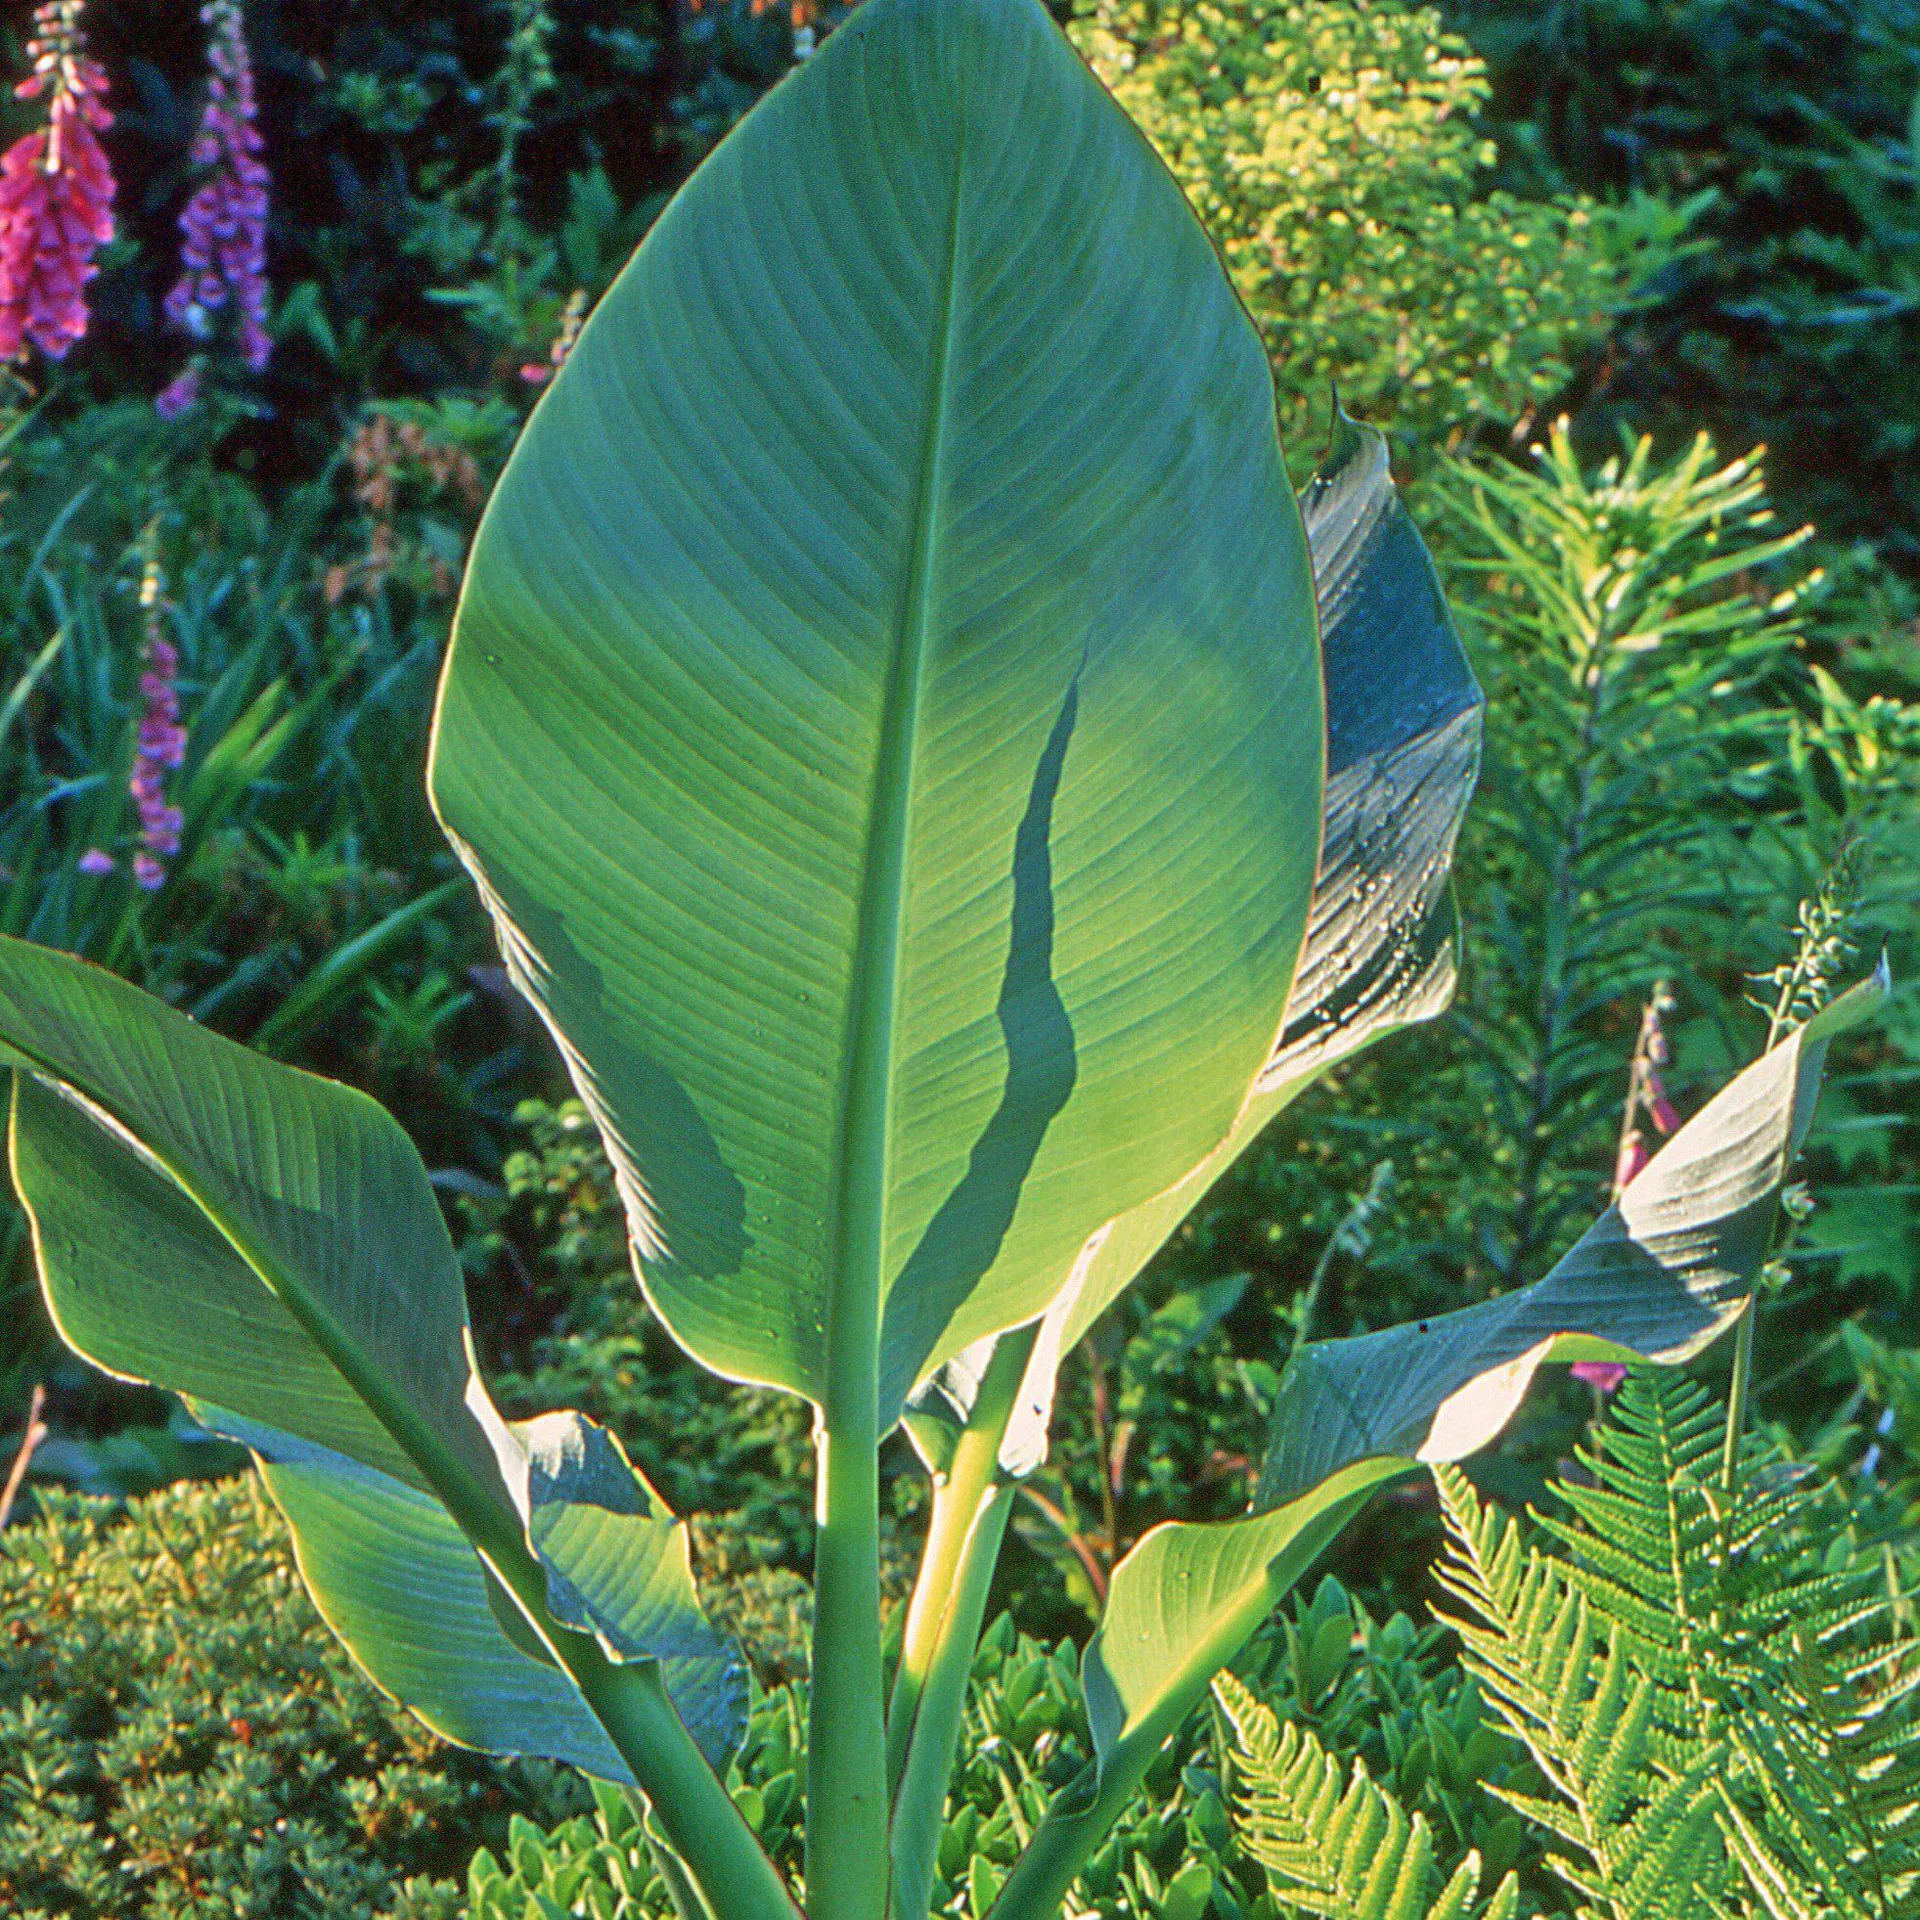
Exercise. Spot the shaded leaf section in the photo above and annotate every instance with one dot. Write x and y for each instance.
(617, 1567)
(1403, 741)
(1403, 750)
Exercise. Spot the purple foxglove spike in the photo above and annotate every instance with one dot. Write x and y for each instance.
(223, 244)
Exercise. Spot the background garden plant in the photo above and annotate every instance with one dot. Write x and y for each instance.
(364, 563)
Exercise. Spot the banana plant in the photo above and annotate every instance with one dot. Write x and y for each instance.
(944, 794)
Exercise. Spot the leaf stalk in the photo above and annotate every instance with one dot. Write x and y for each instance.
(971, 1505)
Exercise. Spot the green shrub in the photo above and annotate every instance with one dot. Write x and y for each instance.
(1799, 322)
(182, 1739)
(1026, 1736)
(1331, 150)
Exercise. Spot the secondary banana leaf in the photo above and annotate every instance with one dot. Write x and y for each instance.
(884, 714)
(267, 1243)
(1403, 742)
(1659, 1274)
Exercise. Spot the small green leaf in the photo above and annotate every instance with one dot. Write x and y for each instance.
(983, 1883)
(1187, 1893)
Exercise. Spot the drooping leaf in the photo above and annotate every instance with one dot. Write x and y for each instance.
(1403, 727)
(303, 1245)
(1658, 1275)
(267, 1243)
(399, 1583)
(617, 1567)
(884, 713)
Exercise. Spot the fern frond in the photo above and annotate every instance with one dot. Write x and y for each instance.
(1636, 1832)
(1333, 1843)
(1703, 1677)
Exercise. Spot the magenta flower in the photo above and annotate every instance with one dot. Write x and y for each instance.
(179, 394)
(160, 745)
(223, 246)
(56, 192)
(1632, 1157)
(1646, 1094)
(95, 860)
(1604, 1376)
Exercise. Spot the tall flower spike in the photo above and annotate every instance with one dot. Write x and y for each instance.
(56, 191)
(223, 245)
(1646, 1092)
(162, 741)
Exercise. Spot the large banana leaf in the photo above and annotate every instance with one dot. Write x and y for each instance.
(884, 716)
(267, 1243)
(1403, 740)
(1662, 1271)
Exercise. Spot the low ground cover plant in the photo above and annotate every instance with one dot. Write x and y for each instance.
(943, 794)
(182, 1735)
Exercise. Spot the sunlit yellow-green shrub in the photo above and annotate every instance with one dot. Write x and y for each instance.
(1330, 147)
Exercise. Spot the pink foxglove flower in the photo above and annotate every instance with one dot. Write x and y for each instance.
(1632, 1157)
(223, 246)
(56, 192)
(1604, 1376)
(1646, 1093)
(95, 860)
(161, 744)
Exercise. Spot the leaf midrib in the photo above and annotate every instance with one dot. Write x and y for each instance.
(856, 1249)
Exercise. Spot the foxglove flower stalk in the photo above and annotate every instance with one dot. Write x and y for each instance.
(56, 192)
(572, 318)
(1646, 1099)
(1646, 1093)
(162, 741)
(223, 247)
(179, 395)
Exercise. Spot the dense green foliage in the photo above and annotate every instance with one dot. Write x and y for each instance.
(1787, 126)
(1702, 728)
(1026, 1736)
(1333, 153)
